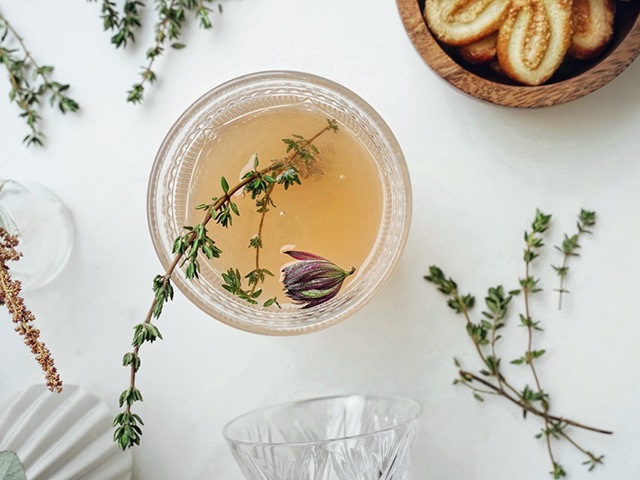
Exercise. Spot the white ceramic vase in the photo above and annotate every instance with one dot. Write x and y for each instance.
(66, 436)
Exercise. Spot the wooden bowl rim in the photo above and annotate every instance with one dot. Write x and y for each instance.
(516, 95)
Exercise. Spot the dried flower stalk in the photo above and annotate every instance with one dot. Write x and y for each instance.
(23, 317)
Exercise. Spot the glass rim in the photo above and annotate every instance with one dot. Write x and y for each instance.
(387, 398)
(204, 107)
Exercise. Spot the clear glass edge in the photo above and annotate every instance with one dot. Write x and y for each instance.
(411, 420)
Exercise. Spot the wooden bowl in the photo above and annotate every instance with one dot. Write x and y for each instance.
(573, 79)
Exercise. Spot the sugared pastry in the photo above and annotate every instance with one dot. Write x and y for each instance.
(461, 22)
(534, 39)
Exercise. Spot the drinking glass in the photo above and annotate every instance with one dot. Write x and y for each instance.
(170, 183)
(44, 229)
(349, 437)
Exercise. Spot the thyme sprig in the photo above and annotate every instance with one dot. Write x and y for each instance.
(486, 333)
(569, 247)
(168, 28)
(260, 189)
(258, 275)
(187, 248)
(31, 83)
(530, 285)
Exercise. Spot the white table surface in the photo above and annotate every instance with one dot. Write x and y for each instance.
(478, 171)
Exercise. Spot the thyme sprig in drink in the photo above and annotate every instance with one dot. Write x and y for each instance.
(195, 242)
(335, 212)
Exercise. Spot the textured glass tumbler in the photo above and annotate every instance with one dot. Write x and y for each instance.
(173, 169)
(334, 438)
(44, 229)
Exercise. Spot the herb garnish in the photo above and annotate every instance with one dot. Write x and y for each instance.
(568, 248)
(195, 241)
(485, 335)
(171, 18)
(31, 84)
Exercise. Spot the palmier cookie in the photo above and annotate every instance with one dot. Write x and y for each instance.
(592, 27)
(534, 39)
(480, 52)
(461, 22)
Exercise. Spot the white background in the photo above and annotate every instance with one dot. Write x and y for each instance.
(478, 171)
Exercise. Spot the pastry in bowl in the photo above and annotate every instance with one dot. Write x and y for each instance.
(533, 39)
(462, 22)
(481, 52)
(592, 27)
(530, 39)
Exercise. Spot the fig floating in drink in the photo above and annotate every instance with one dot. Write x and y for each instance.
(311, 279)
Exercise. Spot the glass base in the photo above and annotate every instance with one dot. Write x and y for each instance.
(44, 229)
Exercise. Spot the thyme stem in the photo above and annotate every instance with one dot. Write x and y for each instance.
(170, 20)
(26, 51)
(570, 244)
(263, 213)
(30, 83)
(530, 357)
(502, 381)
(128, 430)
(530, 408)
(593, 460)
(167, 16)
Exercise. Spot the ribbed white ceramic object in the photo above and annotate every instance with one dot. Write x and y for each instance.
(66, 436)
